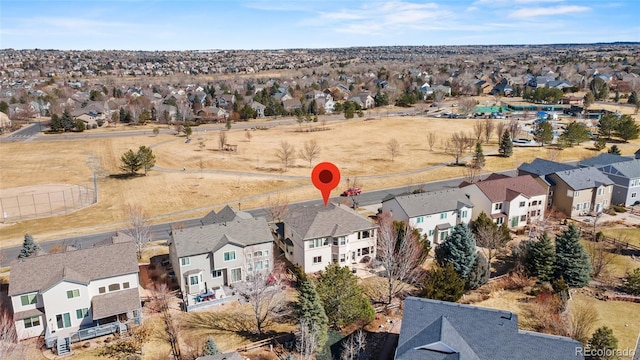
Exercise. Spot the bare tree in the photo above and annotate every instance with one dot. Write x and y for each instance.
(500, 126)
(401, 258)
(222, 139)
(394, 148)
(265, 297)
(354, 346)
(139, 227)
(431, 139)
(467, 105)
(456, 145)
(471, 173)
(9, 347)
(491, 238)
(306, 340)
(600, 256)
(514, 128)
(478, 130)
(438, 98)
(277, 207)
(581, 321)
(286, 154)
(310, 151)
(160, 296)
(489, 126)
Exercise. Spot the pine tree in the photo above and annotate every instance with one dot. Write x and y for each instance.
(479, 272)
(478, 157)
(615, 150)
(29, 247)
(633, 98)
(540, 258)
(210, 347)
(458, 249)
(506, 146)
(602, 343)
(443, 283)
(309, 310)
(572, 262)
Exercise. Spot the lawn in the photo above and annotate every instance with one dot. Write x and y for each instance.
(630, 235)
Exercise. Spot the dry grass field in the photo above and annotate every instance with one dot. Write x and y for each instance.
(214, 178)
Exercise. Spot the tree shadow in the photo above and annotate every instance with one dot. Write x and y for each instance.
(125, 176)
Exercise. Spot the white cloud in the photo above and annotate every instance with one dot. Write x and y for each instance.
(547, 11)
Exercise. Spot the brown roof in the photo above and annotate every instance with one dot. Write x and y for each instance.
(38, 273)
(115, 303)
(498, 190)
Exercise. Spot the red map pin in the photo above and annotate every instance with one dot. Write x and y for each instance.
(325, 177)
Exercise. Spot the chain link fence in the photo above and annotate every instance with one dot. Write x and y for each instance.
(45, 204)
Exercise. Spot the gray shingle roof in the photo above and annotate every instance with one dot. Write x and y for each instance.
(442, 330)
(628, 169)
(604, 159)
(584, 178)
(224, 215)
(543, 167)
(114, 303)
(315, 221)
(209, 238)
(38, 273)
(433, 202)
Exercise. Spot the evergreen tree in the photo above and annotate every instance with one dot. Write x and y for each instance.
(309, 310)
(67, 121)
(130, 162)
(632, 284)
(506, 146)
(633, 98)
(615, 150)
(210, 347)
(443, 283)
(575, 133)
(56, 123)
(603, 344)
(478, 157)
(29, 247)
(4, 107)
(627, 128)
(589, 99)
(540, 258)
(458, 249)
(607, 124)
(146, 158)
(342, 297)
(479, 272)
(543, 133)
(572, 262)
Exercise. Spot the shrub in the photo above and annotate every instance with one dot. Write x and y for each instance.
(619, 208)
(632, 284)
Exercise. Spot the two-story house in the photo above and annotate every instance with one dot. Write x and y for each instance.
(224, 250)
(314, 236)
(433, 213)
(626, 179)
(540, 169)
(517, 201)
(77, 294)
(581, 191)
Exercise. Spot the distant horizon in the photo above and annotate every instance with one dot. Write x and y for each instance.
(200, 25)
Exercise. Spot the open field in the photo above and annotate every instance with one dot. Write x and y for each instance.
(630, 235)
(214, 178)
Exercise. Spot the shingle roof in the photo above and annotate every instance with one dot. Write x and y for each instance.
(434, 329)
(114, 303)
(209, 238)
(498, 190)
(38, 273)
(310, 222)
(543, 167)
(224, 215)
(604, 159)
(628, 169)
(433, 202)
(584, 178)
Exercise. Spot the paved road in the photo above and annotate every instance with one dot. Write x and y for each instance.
(161, 231)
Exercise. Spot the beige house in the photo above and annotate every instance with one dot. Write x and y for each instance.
(581, 191)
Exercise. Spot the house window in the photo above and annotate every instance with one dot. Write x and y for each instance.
(194, 280)
(335, 240)
(216, 273)
(249, 256)
(125, 285)
(462, 213)
(365, 251)
(28, 299)
(534, 203)
(499, 221)
(31, 322)
(316, 243)
(73, 293)
(257, 265)
(600, 191)
(443, 215)
(430, 233)
(633, 195)
(634, 182)
(102, 290)
(532, 213)
(576, 194)
(229, 256)
(343, 240)
(257, 253)
(419, 220)
(523, 218)
(497, 206)
(185, 261)
(343, 258)
(334, 258)
(63, 320)
(317, 259)
(265, 264)
(114, 287)
(82, 313)
(236, 275)
(522, 203)
(443, 235)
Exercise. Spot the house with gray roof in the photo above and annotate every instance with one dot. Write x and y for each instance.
(433, 213)
(77, 294)
(316, 235)
(581, 191)
(604, 159)
(626, 181)
(229, 247)
(439, 330)
(540, 169)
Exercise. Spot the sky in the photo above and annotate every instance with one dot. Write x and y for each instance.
(287, 24)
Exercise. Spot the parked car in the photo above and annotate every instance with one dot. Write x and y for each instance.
(351, 192)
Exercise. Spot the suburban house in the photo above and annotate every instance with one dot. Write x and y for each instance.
(540, 169)
(226, 249)
(77, 294)
(433, 329)
(314, 236)
(580, 191)
(291, 104)
(626, 181)
(226, 101)
(259, 108)
(604, 159)
(518, 201)
(433, 213)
